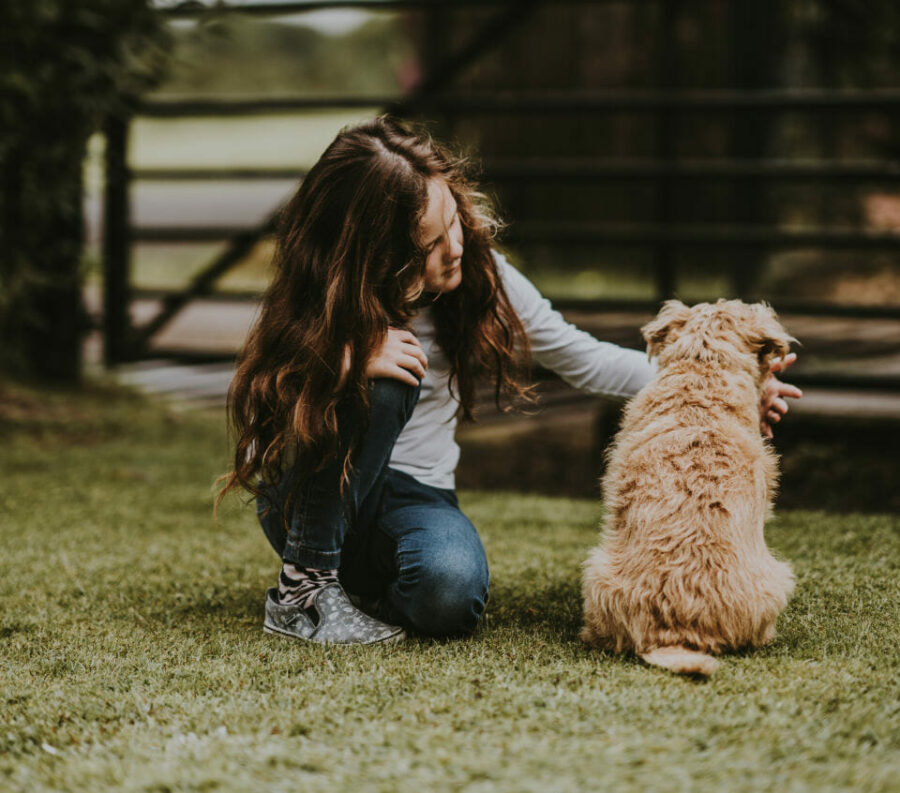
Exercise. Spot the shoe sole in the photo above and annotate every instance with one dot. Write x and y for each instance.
(395, 637)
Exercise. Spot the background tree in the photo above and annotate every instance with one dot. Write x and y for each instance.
(64, 68)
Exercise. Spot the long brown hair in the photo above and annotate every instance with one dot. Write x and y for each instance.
(349, 264)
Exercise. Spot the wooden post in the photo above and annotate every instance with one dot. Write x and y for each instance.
(116, 246)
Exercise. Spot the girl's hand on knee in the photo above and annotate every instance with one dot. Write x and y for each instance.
(399, 357)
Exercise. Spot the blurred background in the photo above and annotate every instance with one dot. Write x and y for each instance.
(638, 150)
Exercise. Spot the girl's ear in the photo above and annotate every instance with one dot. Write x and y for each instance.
(664, 328)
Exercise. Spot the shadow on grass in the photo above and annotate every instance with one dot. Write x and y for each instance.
(550, 607)
(9, 629)
(239, 604)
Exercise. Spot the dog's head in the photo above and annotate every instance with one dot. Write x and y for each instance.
(728, 332)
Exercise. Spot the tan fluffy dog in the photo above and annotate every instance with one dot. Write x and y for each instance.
(682, 570)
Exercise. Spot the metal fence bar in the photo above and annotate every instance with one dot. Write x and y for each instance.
(202, 284)
(714, 235)
(693, 169)
(805, 308)
(575, 169)
(711, 235)
(725, 100)
(189, 10)
(177, 107)
(598, 306)
(116, 244)
(752, 27)
(888, 383)
(881, 100)
(215, 175)
(665, 134)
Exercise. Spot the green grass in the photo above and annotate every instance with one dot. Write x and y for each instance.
(131, 655)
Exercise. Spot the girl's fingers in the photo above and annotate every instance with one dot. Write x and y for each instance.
(416, 352)
(773, 415)
(407, 338)
(788, 390)
(780, 364)
(414, 365)
(399, 337)
(404, 376)
(400, 357)
(778, 404)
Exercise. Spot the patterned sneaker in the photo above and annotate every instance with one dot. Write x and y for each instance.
(339, 621)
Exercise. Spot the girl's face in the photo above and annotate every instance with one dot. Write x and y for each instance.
(441, 233)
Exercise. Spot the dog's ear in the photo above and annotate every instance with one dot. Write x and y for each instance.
(664, 328)
(769, 339)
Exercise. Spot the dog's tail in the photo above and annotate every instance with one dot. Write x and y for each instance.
(682, 660)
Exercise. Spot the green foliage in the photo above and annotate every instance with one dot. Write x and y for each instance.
(64, 68)
(234, 54)
(132, 656)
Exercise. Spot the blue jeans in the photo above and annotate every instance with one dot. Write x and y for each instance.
(390, 536)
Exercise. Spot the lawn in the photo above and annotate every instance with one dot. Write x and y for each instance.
(132, 656)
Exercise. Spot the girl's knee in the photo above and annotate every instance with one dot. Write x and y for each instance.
(448, 595)
(387, 395)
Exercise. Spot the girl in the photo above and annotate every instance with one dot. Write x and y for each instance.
(387, 303)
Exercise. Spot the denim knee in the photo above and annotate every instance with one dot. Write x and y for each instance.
(391, 397)
(444, 595)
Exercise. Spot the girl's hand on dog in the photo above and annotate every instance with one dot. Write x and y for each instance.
(399, 357)
(772, 405)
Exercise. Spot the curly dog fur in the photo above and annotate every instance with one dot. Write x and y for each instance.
(682, 571)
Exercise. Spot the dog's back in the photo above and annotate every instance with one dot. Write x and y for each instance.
(683, 564)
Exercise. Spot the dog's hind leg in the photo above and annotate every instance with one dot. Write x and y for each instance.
(681, 660)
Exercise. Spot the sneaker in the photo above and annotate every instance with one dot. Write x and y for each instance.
(331, 618)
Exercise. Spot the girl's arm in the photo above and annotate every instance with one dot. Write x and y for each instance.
(593, 366)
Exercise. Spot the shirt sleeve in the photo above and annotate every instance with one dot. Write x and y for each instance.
(592, 366)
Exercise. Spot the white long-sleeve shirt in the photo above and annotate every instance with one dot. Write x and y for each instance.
(427, 449)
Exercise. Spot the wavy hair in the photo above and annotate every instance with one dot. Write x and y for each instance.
(348, 265)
